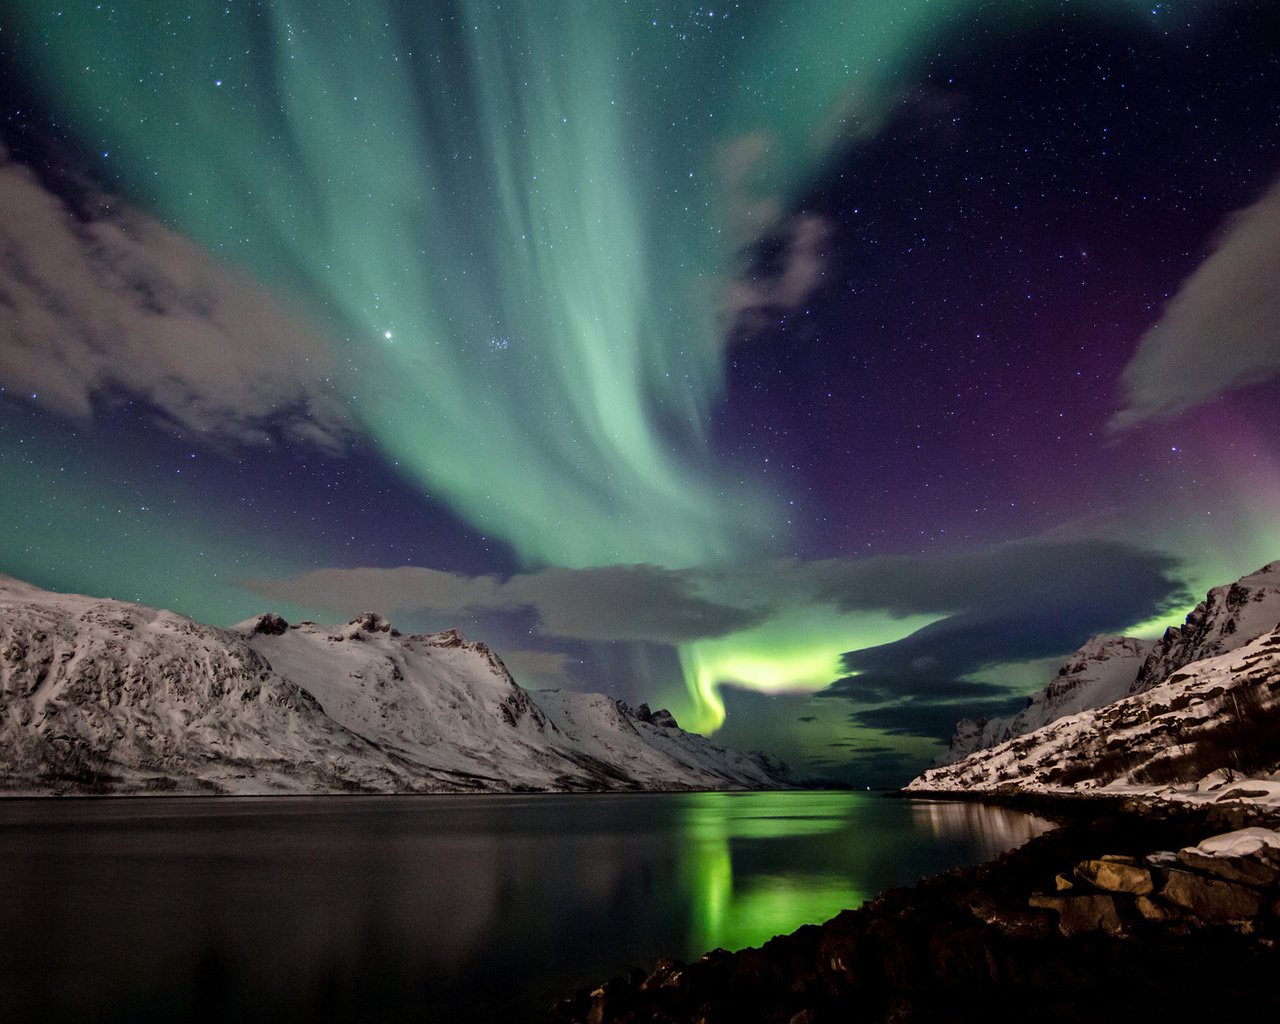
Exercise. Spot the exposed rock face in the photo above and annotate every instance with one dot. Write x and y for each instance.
(1228, 618)
(103, 696)
(1101, 671)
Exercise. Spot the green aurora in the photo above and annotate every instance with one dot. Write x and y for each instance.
(523, 267)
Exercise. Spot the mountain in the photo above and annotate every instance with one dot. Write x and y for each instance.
(106, 696)
(1204, 701)
(1212, 722)
(1101, 671)
(1228, 618)
(1107, 668)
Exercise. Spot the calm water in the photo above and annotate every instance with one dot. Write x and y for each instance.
(427, 908)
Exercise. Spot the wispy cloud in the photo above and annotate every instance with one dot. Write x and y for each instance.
(1220, 331)
(102, 303)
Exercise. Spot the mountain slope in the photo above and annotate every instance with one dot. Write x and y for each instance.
(1107, 668)
(105, 696)
(1228, 618)
(1101, 671)
(1213, 720)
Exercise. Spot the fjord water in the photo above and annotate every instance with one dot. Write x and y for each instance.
(428, 908)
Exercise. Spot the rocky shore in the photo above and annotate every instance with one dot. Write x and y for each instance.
(1121, 913)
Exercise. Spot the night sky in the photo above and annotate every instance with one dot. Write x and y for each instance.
(824, 371)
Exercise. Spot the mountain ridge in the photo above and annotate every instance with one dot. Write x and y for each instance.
(1106, 668)
(1201, 711)
(108, 696)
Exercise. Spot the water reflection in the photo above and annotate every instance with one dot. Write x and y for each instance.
(426, 908)
(990, 830)
(752, 879)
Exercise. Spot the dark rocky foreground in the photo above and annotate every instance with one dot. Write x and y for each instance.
(1099, 920)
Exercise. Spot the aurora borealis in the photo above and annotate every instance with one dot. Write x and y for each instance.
(834, 367)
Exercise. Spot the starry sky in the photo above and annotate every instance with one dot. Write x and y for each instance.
(824, 371)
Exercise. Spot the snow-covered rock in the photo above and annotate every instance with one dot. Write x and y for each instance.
(1228, 618)
(1216, 720)
(106, 696)
(1101, 671)
(1108, 668)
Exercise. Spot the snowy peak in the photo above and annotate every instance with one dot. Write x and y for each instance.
(1100, 672)
(1228, 618)
(99, 695)
(1211, 723)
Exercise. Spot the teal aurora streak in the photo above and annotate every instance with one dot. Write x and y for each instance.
(520, 222)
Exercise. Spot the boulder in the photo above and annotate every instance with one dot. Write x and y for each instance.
(1080, 914)
(1116, 876)
(1153, 911)
(270, 624)
(1211, 899)
(1245, 870)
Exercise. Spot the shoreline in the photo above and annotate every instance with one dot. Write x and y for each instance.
(996, 940)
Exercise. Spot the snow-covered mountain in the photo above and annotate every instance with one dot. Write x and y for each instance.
(1212, 721)
(1101, 671)
(1228, 618)
(105, 696)
(1107, 668)
(1204, 699)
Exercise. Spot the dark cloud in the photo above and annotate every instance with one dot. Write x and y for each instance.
(611, 603)
(1072, 588)
(935, 721)
(627, 602)
(1046, 573)
(878, 687)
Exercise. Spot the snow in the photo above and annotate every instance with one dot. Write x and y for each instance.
(1220, 667)
(1101, 671)
(1245, 842)
(103, 693)
(1136, 734)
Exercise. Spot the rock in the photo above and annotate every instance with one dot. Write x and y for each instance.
(1116, 876)
(270, 624)
(1210, 899)
(1244, 870)
(665, 974)
(664, 719)
(1119, 858)
(1080, 914)
(1153, 911)
(1062, 883)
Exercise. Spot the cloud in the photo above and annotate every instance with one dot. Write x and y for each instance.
(753, 300)
(1220, 331)
(539, 670)
(100, 303)
(935, 721)
(1114, 577)
(611, 603)
(1008, 602)
(878, 687)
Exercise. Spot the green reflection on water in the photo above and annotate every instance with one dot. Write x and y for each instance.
(754, 865)
(761, 905)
